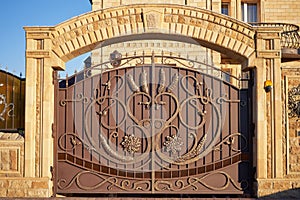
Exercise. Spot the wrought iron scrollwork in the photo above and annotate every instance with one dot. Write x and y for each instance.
(197, 100)
(69, 141)
(290, 37)
(294, 102)
(112, 182)
(79, 98)
(131, 121)
(194, 183)
(230, 140)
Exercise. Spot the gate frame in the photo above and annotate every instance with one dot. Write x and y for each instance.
(48, 48)
(234, 83)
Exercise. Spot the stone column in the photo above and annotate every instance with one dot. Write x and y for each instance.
(39, 103)
(269, 160)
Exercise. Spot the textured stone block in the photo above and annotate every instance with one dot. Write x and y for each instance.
(40, 184)
(20, 184)
(266, 185)
(37, 193)
(4, 183)
(282, 185)
(11, 156)
(16, 192)
(3, 192)
(295, 167)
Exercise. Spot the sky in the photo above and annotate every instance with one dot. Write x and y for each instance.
(15, 14)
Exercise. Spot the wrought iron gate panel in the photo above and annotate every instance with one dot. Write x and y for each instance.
(152, 128)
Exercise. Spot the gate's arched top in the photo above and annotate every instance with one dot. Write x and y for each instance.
(141, 21)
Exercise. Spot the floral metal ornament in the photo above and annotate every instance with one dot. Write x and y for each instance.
(173, 144)
(115, 58)
(294, 102)
(131, 144)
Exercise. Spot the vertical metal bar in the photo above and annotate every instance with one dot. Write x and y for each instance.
(54, 134)
(152, 126)
(108, 114)
(66, 89)
(117, 113)
(20, 119)
(99, 107)
(82, 109)
(230, 115)
(187, 111)
(195, 113)
(6, 95)
(13, 103)
(205, 107)
(91, 115)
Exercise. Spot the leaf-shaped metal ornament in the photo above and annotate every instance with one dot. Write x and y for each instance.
(174, 82)
(132, 84)
(144, 82)
(162, 81)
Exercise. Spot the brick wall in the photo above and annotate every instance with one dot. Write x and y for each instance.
(207, 4)
(24, 187)
(286, 11)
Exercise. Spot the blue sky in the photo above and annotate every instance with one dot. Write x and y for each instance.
(15, 14)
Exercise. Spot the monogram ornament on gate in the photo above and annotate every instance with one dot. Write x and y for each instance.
(7, 108)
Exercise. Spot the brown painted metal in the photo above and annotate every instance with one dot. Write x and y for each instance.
(12, 102)
(168, 126)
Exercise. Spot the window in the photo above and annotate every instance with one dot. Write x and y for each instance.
(249, 12)
(225, 8)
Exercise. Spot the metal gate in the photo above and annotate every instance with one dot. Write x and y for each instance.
(153, 124)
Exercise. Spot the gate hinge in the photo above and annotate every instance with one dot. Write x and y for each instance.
(53, 127)
(54, 76)
(252, 78)
(52, 170)
(252, 129)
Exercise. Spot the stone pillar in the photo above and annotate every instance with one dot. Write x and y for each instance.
(238, 10)
(269, 159)
(39, 104)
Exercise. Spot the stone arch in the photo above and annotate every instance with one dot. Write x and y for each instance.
(218, 32)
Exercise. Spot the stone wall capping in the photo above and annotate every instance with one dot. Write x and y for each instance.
(11, 136)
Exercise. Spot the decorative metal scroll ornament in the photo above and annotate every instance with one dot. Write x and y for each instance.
(111, 182)
(190, 183)
(294, 102)
(195, 183)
